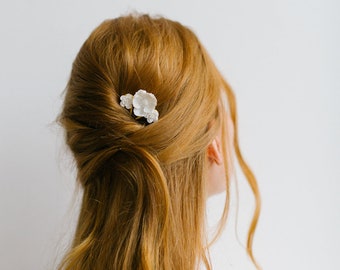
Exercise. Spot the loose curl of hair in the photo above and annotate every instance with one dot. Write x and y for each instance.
(144, 186)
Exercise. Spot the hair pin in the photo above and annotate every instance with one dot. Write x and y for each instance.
(142, 104)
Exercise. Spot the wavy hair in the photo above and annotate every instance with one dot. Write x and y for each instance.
(144, 186)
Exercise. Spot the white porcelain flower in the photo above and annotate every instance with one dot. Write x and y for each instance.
(126, 101)
(144, 103)
(152, 117)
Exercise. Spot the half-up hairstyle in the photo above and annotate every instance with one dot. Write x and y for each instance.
(144, 185)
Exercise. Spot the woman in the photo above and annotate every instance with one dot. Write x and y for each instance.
(145, 116)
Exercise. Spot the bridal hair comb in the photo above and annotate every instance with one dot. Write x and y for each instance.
(142, 104)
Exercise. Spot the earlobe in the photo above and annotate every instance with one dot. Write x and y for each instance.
(215, 151)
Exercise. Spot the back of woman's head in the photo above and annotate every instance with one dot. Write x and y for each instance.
(144, 184)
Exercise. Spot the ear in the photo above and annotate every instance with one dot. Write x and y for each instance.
(214, 151)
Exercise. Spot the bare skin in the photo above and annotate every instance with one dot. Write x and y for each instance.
(216, 174)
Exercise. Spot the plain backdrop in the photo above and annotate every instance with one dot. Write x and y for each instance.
(282, 59)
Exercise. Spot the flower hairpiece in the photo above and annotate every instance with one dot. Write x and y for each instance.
(142, 103)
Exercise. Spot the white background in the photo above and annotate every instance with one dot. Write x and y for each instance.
(282, 59)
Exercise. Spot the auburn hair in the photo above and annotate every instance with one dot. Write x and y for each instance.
(144, 185)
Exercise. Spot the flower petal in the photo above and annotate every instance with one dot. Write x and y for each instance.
(152, 117)
(138, 112)
(126, 101)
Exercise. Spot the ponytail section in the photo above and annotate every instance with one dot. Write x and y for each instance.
(124, 215)
(141, 169)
